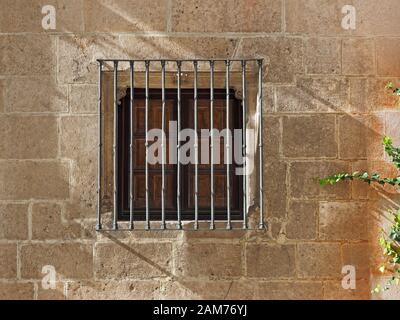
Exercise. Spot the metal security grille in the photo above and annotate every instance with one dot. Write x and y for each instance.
(145, 66)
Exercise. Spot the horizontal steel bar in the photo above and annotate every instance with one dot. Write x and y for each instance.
(177, 60)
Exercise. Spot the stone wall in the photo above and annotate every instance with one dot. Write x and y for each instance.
(326, 110)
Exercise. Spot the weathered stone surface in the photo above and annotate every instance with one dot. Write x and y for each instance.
(386, 50)
(125, 16)
(283, 56)
(70, 260)
(309, 136)
(333, 290)
(304, 180)
(293, 290)
(314, 17)
(270, 261)
(112, 290)
(8, 261)
(319, 260)
(133, 260)
(323, 55)
(23, 180)
(343, 221)
(275, 187)
(2, 95)
(16, 291)
(28, 137)
(37, 94)
(48, 223)
(358, 57)
(358, 255)
(353, 136)
(314, 94)
(83, 98)
(392, 123)
(272, 136)
(239, 16)
(27, 55)
(52, 294)
(20, 17)
(209, 260)
(14, 221)
(360, 189)
(302, 220)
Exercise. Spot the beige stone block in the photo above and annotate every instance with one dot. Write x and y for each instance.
(387, 49)
(70, 260)
(353, 136)
(23, 180)
(113, 290)
(270, 261)
(275, 187)
(27, 55)
(36, 94)
(333, 290)
(343, 221)
(314, 94)
(17, 16)
(8, 261)
(392, 123)
(48, 223)
(51, 294)
(209, 260)
(226, 16)
(125, 16)
(133, 260)
(302, 220)
(358, 57)
(283, 56)
(309, 136)
(360, 189)
(358, 255)
(272, 136)
(319, 260)
(16, 291)
(3, 87)
(14, 221)
(28, 137)
(290, 290)
(83, 98)
(79, 135)
(322, 55)
(304, 180)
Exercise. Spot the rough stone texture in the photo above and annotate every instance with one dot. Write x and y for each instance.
(319, 260)
(322, 55)
(40, 94)
(27, 137)
(302, 220)
(358, 57)
(293, 290)
(124, 16)
(275, 186)
(309, 136)
(353, 135)
(52, 294)
(16, 291)
(48, 223)
(337, 221)
(8, 262)
(33, 179)
(70, 260)
(14, 221)
(357, 255)
(270, 261)
(386, 50)
(209, 260)
(136, 260)
(205, 16)
(333, 290)
(83, 98)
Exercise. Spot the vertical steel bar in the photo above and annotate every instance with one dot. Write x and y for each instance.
(178, 146)
(115, 148)
(244, 143)
(163, 145)
(260, 142)
(146, 128)
(228, 150)
(196, 152)
(212, 224)
(131, 226)
(99, 164)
